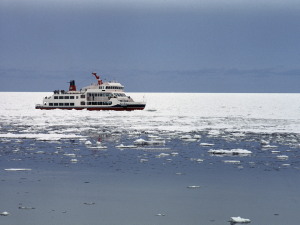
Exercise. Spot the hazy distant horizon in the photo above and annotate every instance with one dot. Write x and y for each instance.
(204, 46)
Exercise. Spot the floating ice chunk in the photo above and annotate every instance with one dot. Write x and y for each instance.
(143, 160)
(275, 152)
(152, 142)
(269, 146)
(153, 136)
(140, 141)
(190, 139)
(135, 133)
(263, 142)
(17, 169)
(98, 147)
(162, 155)
(197, 160)
(239, 220)
(40, 152)
(150, 132)
(4, 213)
(186, 136)
(74, 160)
(88, 142)
(179, 173)
(230, 152)
(286, 165)
(160, 214)
(70, 154)
(174, 153)
(282, 157)
(196, 136)
(193, 186)
(206, 144)
(126, 146)
(232, 161)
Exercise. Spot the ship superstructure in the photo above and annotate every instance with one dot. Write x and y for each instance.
(98, 96)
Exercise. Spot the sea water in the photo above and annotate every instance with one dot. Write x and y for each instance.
(188, 158)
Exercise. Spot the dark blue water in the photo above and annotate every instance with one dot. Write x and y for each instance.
(140, 186)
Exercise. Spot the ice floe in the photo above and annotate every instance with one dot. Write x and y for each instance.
(232, 161)
(143, 160)
(88, 143)
(5, 213)
(206, 144)
(197, 160)
(126, 146)
(282, 157)
(162, 155)
(39, 136)
(239, 219)
(18, 169)
(230, 152)
(269, 146)
(70, 154)
(174, 153)
(151, 142)
(193, 186)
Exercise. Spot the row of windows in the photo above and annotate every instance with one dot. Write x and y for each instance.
(119, 94)
(64, 97)
(68, 97)
(99, 103)
(61, 104)
(111, 87)
(99, 94)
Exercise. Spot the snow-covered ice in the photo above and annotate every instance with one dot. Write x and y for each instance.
(230, 152)
(239, 219)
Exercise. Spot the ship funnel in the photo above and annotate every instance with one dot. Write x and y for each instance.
(72, 86)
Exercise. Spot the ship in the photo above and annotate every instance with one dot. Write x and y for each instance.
(97, 96)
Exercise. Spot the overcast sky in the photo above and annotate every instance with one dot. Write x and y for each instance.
(151, 46)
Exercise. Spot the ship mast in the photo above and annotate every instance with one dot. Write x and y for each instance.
(97, 78)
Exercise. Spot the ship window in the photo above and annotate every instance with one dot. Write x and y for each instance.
(50, 104)
(61, 104)
(109, 103)
(82, 96)
(61, 97)
(82, 103)
(71, 97)
(55, 104)
(76, 97)
(67, 104)
(55, 97)
(71, 104)
(67, 97)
